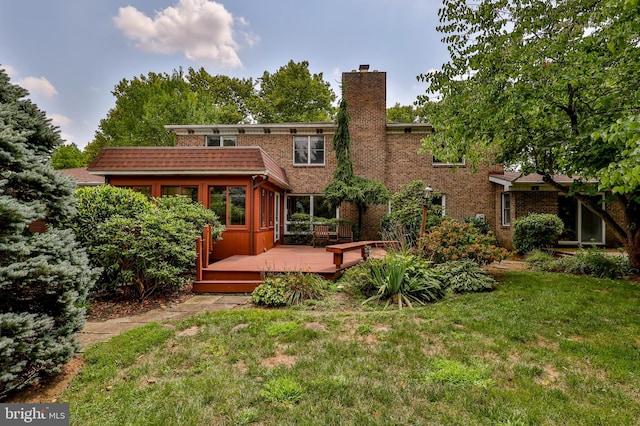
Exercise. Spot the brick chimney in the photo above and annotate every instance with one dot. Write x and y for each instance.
(366, 95)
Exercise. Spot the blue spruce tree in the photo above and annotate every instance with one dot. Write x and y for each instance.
(44, 273)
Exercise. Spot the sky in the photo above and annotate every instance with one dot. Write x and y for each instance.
(70, 54)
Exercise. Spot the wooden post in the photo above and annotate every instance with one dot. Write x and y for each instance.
(425, 211)
(199, 259)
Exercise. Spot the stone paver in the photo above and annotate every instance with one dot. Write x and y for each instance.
(94, 332)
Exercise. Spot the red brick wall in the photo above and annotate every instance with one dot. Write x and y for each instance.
(389, 157)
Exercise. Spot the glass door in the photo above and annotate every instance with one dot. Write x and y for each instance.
(581, 226)
(276, 216)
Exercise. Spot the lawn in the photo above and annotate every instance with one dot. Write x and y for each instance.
(540, 349)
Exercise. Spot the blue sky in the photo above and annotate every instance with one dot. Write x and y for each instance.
(70, 54)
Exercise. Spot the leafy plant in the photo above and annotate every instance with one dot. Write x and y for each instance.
(403, 279)
(479, 223)
(270, 293)
(591, 261)
(288, 289)
(457, 241)
(464, 276)
(141, 246)
(536, 231)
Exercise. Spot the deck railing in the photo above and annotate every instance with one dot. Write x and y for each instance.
(204, 246)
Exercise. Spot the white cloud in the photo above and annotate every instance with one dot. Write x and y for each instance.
(201, 29)
(11, 71)
(38, 86)
(59, 120)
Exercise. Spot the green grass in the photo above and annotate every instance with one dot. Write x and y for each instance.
(540, 349)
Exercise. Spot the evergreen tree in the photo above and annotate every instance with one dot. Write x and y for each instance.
(44, 275)
(346, 186)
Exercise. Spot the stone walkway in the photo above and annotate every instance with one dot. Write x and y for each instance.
(95, 332)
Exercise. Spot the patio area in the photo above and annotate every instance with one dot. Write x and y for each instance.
(242, 274)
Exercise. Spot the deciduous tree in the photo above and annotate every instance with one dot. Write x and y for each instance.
(293, 94)
(552, 86)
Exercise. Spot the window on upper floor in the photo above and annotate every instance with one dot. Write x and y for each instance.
(437, 162)
(221, 140)
(308, 150)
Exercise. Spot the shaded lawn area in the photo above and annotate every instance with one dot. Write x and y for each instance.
(540, 349)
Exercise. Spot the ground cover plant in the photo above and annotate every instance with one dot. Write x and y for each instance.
(540, 349)
(591, 261)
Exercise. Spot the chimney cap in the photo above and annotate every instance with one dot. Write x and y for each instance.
(364, 67)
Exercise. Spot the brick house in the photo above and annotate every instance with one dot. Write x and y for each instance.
(519, 195)
(256, 175)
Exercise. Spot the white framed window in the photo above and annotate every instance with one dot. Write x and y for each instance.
(221, 140)
(312, 205)
(505, 206)
(437, 162)
(308, 150)
(438, 204)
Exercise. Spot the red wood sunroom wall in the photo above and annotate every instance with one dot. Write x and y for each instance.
(235, 239)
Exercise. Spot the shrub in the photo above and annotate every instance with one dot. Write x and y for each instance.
(593, 262)
(270, 293)
(479, 223)
(457, 241)
(44, 276)
(403, 279)
(405, 218)
(536, 231)
(288, 289)
(464, 276)
(539, 260)
(142, 246)
(154, 250)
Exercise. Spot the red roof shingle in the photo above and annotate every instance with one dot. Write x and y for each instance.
(187, 160)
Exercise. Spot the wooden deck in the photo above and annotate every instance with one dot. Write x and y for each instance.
(242, 274)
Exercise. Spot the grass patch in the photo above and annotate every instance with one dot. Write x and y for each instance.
(540, 349)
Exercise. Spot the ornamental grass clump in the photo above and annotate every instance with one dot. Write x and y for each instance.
(289, 289)
(404, 279)
(452, 240)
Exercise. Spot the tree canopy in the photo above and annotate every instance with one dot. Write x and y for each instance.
(549, 86)
(145, 104)
(68, 157)
(293, 94)
(44, 274)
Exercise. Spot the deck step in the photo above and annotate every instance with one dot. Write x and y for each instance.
(225, 286)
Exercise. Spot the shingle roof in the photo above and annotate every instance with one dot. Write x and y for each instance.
(532, 178)
(187, 161)
(83, 177)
